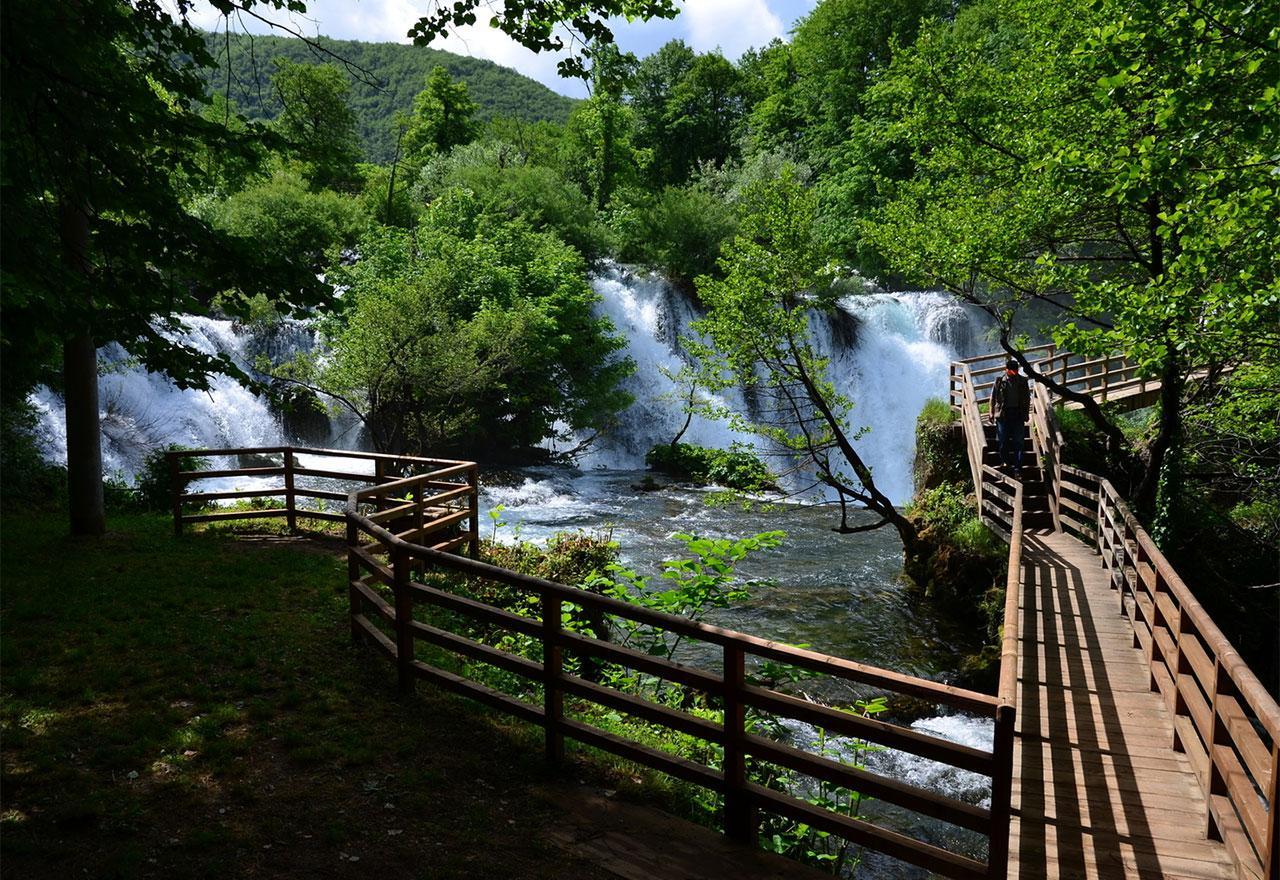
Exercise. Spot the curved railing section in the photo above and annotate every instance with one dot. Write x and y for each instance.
(1225, 721)
(323, 475)
(394, 609)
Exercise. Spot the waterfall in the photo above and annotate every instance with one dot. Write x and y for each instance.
(142, 411)
(888, 353)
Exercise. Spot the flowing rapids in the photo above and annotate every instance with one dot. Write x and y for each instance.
(888, 352)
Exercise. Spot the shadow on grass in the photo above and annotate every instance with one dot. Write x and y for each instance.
(194, 707)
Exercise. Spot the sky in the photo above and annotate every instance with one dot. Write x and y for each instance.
(732, 26)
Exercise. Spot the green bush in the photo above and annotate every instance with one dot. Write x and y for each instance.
(678, 231)
(734, 468)
(946, 512)
(940, 451)
(153, 489)
(566, 558)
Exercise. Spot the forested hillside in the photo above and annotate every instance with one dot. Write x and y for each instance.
(384, 78)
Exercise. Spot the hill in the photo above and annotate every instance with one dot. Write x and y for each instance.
(398, 72)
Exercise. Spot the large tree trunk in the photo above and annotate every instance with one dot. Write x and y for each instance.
(84, 438)
(80, 374)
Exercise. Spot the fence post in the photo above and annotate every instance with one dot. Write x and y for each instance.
(176, 486)
(291, 511)
(1001, 792)
(473, 480)
(353, 575)
(552, 669)
(739, 818)
(404, 617)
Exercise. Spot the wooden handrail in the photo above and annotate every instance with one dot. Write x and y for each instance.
(458, 480)
(371, 541)
(1225, 720)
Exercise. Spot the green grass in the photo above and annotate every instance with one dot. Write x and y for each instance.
(194, 707)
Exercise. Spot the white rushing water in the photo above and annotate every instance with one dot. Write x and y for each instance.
(888, 353)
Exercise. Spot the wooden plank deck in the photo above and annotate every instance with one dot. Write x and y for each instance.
(1098, 790)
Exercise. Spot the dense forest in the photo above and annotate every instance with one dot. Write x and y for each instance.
(384, 77)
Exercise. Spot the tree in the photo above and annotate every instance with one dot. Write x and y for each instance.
(317, 121)
(103, 131)
(837, 50)
(650, 90)
(758, 315)
(441, 118)
(597, 146)
(703, 114)
(472, 333)
(1116, 164)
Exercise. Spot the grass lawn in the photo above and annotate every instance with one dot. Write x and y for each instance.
(194, 707)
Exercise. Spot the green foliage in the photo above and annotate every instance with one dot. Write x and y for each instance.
(947, 512)
(316, 121)
(153, 488)
(507, 183)
(384, 78)
(472, 333)
(704, 580)
(737, 467)
(283, 216)
(441, 118)
(566, 558)
(597, 151)
(29, 481)
(678, 230)
(940, 453)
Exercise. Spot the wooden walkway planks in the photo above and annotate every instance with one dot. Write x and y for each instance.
(1098, 791)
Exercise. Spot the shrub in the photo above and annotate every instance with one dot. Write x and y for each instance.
(940, 451)
(735, 468)
(944, 508)
(153, 489)
(679, 230)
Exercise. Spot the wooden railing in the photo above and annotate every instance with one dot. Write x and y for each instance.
(453, 506)
(1103, 378)
(389, 601)
(1225, 721)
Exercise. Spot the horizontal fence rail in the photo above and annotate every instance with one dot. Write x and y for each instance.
(1225, 721)
(415, 496)
(395, 590)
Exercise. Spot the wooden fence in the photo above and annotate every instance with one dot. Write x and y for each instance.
(385, 580)
(1224, 719)
(452, 507)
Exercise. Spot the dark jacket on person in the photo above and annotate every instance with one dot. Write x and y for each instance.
(1011, 398)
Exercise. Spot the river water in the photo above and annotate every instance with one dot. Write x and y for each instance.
(841, 595)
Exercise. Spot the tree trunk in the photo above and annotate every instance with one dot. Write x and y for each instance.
(1171, 385)
(80, 375)
(84, 438)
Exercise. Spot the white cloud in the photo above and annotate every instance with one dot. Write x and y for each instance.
(733, 26)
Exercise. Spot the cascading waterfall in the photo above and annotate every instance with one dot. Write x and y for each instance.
(888, 352)
(142, 411)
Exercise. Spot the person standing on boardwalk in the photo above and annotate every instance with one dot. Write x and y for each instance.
(1010, 402)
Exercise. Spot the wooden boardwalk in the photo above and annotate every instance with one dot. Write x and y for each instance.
(1097, 792)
